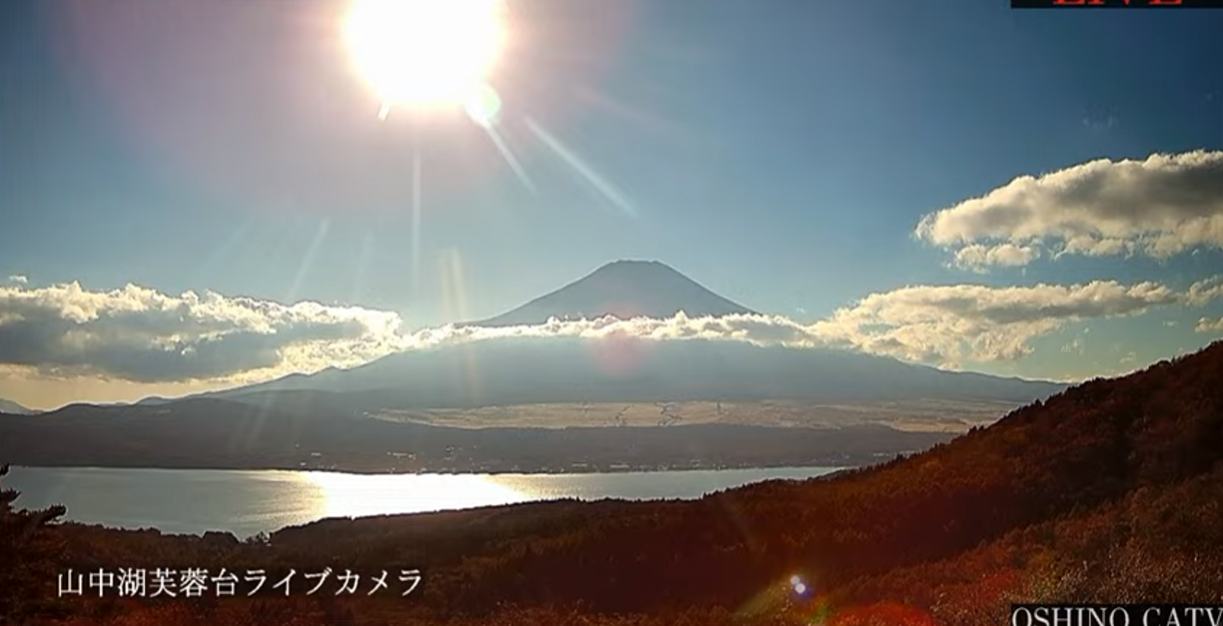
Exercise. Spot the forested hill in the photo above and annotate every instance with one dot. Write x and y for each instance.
(1109, 491)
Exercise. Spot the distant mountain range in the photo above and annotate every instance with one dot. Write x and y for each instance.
(12, 408)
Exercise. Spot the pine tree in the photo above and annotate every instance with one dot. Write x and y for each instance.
(30, 551)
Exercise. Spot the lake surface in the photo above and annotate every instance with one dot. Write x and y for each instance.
(246, 502)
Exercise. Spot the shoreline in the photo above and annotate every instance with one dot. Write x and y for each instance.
(834, 468)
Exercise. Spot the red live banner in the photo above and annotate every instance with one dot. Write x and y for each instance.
(1117, 4)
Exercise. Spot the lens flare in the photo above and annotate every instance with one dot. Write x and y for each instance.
(484, 107)
(600, 184)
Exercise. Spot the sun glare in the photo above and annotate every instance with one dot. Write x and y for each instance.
(351, 495)
(426, 52)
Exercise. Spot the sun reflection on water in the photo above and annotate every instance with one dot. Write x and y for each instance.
(356, 495)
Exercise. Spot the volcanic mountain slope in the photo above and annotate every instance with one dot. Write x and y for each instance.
(567, 369)
(622, 289)
(626, 369)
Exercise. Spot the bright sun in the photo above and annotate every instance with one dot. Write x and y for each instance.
(426, 52)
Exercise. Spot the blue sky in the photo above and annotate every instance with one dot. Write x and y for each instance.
(782, 153)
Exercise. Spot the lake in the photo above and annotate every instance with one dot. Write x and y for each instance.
(246, 502)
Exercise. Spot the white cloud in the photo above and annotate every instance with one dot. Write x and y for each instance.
(138, 334)
(977, 257)
(19, 279)
(1207, 325)
(1075, 346)
(1203, 291)
(953, 323)
(1159, 207)
(142, 335)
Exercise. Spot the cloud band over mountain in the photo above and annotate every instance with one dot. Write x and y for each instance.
(139, 334)
(1159, 207)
